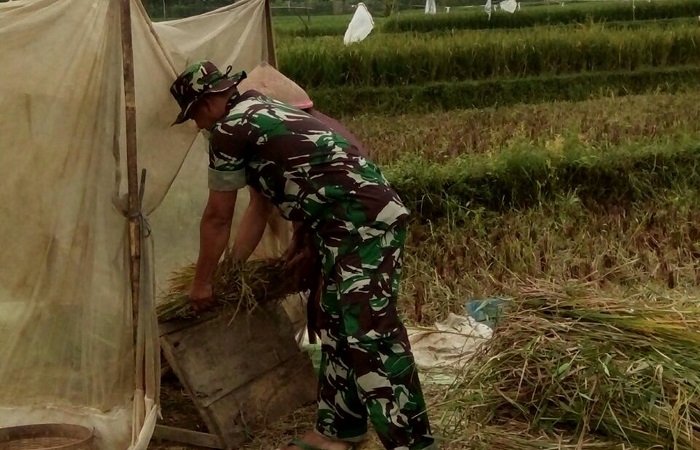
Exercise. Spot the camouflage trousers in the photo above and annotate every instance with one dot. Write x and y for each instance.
(367, 367)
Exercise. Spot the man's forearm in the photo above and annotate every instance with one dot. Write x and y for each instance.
(214, 236)
(249, 235)
(251, 230)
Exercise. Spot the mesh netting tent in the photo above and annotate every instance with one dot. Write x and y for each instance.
(67, 348)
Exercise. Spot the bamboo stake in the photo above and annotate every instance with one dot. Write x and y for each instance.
(271, 56)
(131, 161)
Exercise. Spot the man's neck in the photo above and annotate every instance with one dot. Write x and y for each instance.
(224, 103)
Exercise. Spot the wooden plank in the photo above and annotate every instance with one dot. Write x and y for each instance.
(277, 393)
(171, 326)
(189, 437)
(184, 380)
(218, 357)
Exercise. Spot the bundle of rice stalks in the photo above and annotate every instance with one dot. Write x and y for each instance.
(515, 436)
(580, 366)
(236, 287)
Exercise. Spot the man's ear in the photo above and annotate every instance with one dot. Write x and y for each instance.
(205, 104)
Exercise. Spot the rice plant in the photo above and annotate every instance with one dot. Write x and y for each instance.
(395, 60)
(531, 16)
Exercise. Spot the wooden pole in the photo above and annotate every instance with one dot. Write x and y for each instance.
(271, 57)
(131, 161)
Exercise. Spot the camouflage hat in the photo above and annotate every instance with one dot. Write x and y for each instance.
(197, 80)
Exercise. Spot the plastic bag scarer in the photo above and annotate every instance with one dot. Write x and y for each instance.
(360, 26)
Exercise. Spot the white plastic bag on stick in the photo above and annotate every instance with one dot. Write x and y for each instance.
(360, 26)
(430, 7)
(509, 5)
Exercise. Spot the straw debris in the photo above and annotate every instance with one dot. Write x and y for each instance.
(580, 366)
(237, 287)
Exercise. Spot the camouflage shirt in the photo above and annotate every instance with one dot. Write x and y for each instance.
(310, 172)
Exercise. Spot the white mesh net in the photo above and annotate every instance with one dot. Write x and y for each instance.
(66, 347)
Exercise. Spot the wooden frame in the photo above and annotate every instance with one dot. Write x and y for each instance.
(134, 206)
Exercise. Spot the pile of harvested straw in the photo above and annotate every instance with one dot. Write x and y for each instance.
(585, 370)
(236, 287)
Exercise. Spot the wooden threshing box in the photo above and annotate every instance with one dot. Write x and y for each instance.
(241, 372)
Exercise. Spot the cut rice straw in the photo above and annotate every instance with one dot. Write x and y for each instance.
(237, 287)
(574, 364)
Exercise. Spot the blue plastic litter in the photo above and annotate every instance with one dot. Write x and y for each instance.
(487, 311)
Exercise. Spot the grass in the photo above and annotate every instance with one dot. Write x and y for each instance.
(427, 98)
(612, 15)
(294, 27)
(654, 244)
(396, 60)
(532, 16)
(607, 151)
(527, 175)
(287, 27)
(441, 136)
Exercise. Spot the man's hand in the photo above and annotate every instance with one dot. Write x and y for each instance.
(301, 258)
(300, 242)
(201, 297)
